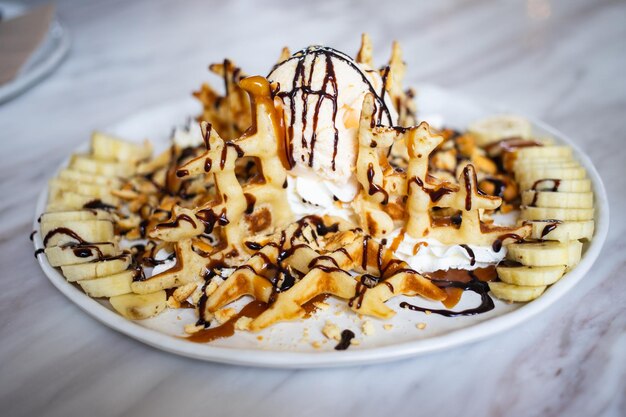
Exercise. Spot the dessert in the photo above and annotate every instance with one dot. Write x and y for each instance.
(317, 181)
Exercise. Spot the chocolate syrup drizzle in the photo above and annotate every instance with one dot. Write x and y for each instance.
(346, 339)
(434, 194)
(375, 188)
(470, 252)
(555, 187)
(550, 226)
(176, 222)
(474, 284)
(63, 231)
(98, 205)
(497, 244)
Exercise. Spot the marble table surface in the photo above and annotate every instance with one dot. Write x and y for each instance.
(561, 61)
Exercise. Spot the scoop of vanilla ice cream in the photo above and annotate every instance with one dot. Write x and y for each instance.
(323, 90)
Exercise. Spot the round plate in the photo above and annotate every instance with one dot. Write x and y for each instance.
(289, 345)
(43, 61)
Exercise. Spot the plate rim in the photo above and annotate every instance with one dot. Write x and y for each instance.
(300, 360)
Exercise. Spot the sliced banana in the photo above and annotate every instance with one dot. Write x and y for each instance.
(539, 253)
(80, 254)
(525, 163)
(68, 174)
(557, 199)
(568, 186)
(541, 172)
(58, 186)
(90, 165)
(56, 233)
(565, 214)
(544, 152)
(104, 146)
(139, 306)
(532, 276)
(64, 216)
(547, 253)
(109, 286)
(515, 293)
(574, 253)
(69, 200)
(561, 231)
(97, 269)
(495, 128)
(529, 167)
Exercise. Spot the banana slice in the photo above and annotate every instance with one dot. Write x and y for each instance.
(531, 276)
(58, 187)
(565, 214)
(525, 163)
(548, 253)
(69, 200)
(520, 166)
(80, 254)
(539, 253)
(574, 253)
(108, 286)
(64, 216)
(541, 172)
(139, 306)
(529, 167)
(495, 128)
(68, 174)
(56, 233)
(515, 293)
(557, 199)
(544, 152)
(105, 146)
(91, 270)
(568, 186)
(90, 165)
(561, 231)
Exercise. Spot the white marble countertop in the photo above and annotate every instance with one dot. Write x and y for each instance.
(561, 61)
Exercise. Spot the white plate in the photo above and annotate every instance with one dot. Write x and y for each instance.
(43, 61)
(281, 345)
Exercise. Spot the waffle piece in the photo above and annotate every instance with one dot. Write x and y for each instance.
(229, 114)
(190, 267)
(262, 141)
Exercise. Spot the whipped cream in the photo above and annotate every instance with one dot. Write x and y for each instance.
(311, 196)
(323, 90)
(188, 136)
(428, 255)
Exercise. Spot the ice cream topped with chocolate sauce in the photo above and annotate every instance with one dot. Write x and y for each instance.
(322, 91)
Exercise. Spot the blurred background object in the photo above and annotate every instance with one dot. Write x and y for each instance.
(32, 44)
